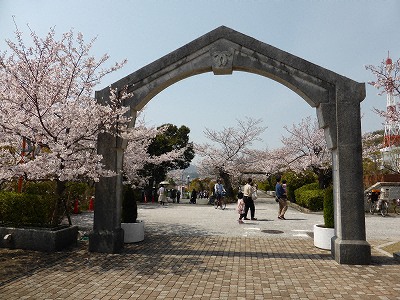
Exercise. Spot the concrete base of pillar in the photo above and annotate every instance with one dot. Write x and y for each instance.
(106, 241)
(351, 252)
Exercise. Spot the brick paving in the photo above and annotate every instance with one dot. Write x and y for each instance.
(208, 267)
(191, 264)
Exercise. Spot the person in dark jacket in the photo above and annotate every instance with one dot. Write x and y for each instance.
(193, 196)
(281, 197)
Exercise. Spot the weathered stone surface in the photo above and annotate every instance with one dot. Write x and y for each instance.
(222, 51)
(40, 239)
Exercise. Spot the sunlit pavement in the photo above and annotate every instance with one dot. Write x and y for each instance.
(194, 251)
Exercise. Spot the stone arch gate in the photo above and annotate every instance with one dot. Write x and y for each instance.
(223, 50)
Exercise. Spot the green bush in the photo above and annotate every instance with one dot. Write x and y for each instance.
(329, 218)
(26, 209)
(129, 206)
(307, 187)
(81, 191)
(297, 180)
(41, 187)
(311, 199)
(265, 185)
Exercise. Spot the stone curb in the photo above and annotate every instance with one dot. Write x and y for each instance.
(300, 208)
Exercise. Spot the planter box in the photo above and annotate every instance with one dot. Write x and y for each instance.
(40, 239)
(323, 236)
(133, 232)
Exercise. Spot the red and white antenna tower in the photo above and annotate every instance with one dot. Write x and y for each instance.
(392, 124)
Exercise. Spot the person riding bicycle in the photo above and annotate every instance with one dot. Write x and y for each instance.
(383, 197)
(374, 195)
(219, 190)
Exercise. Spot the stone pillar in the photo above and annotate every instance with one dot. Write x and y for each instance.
(349, 246)
(107, 235)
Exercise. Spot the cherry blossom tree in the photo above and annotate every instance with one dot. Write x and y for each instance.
(230, 154)
(372, 156)
(387, 76)
(47, 99)
(387, 81)
(49, 119)
(303, 148)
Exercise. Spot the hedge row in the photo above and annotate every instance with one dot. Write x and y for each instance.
(297, 180)
(310, 196)
(329, 218)
(26, 209)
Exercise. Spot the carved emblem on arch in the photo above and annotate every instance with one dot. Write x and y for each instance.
(222, 61)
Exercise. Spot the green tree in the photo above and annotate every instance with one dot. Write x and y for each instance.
(173, 138)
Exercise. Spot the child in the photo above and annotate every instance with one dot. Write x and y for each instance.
(284, 187)
(240, 207)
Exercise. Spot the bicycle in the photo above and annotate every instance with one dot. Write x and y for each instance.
(220, 202)
(396, 204)
(381, 206)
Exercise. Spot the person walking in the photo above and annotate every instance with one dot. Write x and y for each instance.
(281, 197)
(193, 196)
(248, 191)
(162, 197)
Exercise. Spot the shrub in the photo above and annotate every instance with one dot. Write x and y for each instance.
(311, 199)
(40, 187)
(129, 206)
(297, 180)
(265, 185)
(329, 218)
(78, 191)
(26, 209)
(307, 187)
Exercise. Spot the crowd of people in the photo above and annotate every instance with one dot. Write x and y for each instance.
(245, 202)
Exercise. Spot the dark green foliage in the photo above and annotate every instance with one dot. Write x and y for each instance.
(265, 185)
(307, 187)
(301, 198)
(26, 209)
(173, 138)
(51, 190)
(39, 205)
(297, 180)
(40, 187)
(80, 191)
(310, 196)
(129, 206)
(77, 190)
(329, 217)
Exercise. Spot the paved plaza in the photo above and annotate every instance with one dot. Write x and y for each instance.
(198, 252)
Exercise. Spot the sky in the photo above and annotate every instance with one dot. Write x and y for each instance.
(342, 36)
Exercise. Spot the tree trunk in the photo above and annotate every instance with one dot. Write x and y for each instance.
(61, 206)
(227, 183)
(324, 177)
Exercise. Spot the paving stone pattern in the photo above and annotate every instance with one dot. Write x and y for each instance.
(173, 263)
(209, 267)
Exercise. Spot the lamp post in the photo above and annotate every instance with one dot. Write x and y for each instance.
(188, 180)
(183, 185)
